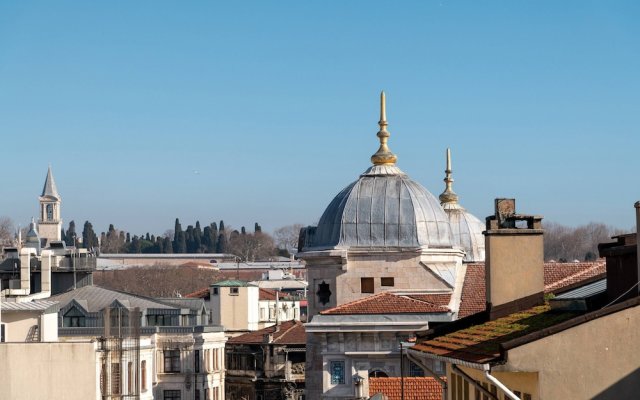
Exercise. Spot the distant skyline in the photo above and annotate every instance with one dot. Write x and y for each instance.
(263, 111)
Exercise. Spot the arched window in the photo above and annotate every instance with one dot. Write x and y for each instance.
(376, 373)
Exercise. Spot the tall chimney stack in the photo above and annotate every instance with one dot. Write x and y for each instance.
(514, 271)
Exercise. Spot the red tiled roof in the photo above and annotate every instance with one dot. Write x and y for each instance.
(561, 275)
(481, 343)
(199, 294)
(415, 388)
(556, 277)
(289, 332)
(267, 294)
(473, 298)
(391, 303)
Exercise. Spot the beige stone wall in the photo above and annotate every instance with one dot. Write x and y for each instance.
(516, 266)
(18, 325)
(53, 371)
(598, 358)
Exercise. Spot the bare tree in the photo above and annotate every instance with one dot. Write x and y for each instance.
(286, 237)
(563, 243)
(7, 231)
(252, 246)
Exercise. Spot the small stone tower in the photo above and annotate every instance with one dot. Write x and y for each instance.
(50, 223)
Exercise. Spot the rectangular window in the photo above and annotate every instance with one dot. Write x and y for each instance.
(415, 370)
(215, 291)
(336, 368)
(143, 373)
(196, 355)
(171, 395)
(197, 394)
(387, 281)
(171, 361)
(115, 378)
(130, 382)
(2, 333)
(233, 291)
(366, 285)
(526, 396)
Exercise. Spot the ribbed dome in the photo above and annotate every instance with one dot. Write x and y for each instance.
(384, 208)
(467, 231)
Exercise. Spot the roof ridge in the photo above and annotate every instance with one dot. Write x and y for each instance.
(574, 276)
(293, 325)
(357, 301)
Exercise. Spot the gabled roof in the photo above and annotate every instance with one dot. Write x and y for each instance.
(267, 294)
(415, 388)
(392, 303)
(199, 294)
(557, 277)
(481, 343)
(289, 332)
(232, 283)
(97, 298)
(42, 306)
(49, 188)
(478, 342)
(194, 304)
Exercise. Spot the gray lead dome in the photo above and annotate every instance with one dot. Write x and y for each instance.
(383, 208)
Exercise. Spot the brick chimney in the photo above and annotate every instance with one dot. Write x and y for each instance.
(514, 266)
(623, 266)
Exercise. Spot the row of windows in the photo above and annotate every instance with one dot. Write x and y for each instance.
(232, 291)
(116, 383)
(212, 360)
(176, 395)
(367, 284)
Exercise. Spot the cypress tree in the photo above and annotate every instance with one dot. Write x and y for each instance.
(71, 234)
(89, 238)
(168, 246)
(243, 231)
(181, 243)
(128, 240)
(221, 245)
(147, 238)
(221, 229)
(257, 228)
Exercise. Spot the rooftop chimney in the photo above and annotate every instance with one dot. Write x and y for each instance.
(623, 266)
(514, 271)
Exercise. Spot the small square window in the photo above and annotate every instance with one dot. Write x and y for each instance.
(386, 282)
(233, 290)
(366, 285)
(215, 291)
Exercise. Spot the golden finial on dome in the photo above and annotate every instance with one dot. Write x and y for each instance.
(383, 156)
(448, 196)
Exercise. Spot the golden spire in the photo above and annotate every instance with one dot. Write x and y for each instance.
(448, 196)
(383, 156)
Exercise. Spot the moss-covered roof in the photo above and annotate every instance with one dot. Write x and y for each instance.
(481, 343)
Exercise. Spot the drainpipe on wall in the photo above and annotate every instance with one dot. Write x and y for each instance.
(422, 365)
(509, 393)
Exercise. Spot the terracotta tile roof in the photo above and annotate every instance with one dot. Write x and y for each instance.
(556, 276)
(481, 343)
(267, 294)
(415, 388)
(561, 275)
(391, 303)
(473, 298)
(290, 332)
(199, 294)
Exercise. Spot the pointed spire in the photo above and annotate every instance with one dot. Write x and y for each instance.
(383, 156)
(448, 196)
(49, 188)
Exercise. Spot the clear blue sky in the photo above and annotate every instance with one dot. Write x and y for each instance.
(275, 105)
